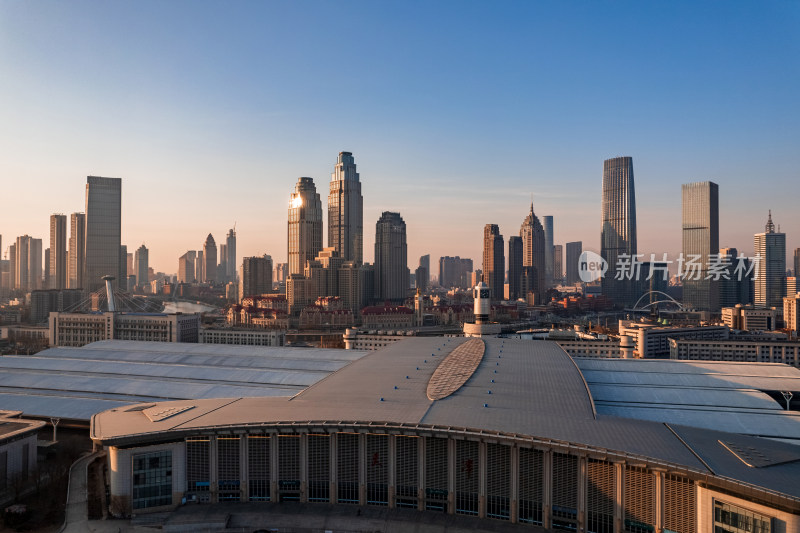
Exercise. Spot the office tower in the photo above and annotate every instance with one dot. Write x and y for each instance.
(700, 241)
(103, 231)
(547, 222)
(122, 276)
(255, 276)
(770, 280)
(200, 267)
(494, 261)
(12, 267)
(797, 262)
(425, 263)
(28, 263)
(186, 267)
(230, 244)
(141, 266)
(77, 235)
(346, 210)
(129, 261)
(421, 278)
(391, 262)
(558, 263)
(574, 251)
(618, 237)
(46, 268)
(222, 267)
(281, 272)
(305, 225)
(736, 285)
(515, 253)
(210, 255)
(533, 258)
(791, 286)
(57, 266)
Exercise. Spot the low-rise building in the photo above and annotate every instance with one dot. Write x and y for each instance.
(652, 339)
(737, 350)
(316, 317)
(17, 448)
(79, 329)
(791, 313)
(243, 336)
(749, 318)
(387, 316)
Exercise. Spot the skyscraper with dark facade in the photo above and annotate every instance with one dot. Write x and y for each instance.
(57, 266)
(514, 267)
(574, 251)
(255, 276)
(425, 264)
(494, 261)
(141, 265)
(210, 258)
(700, 241)
(618, 236)
(770, 275)
(547, 223)
(305, 225)
(77, 236)
(230, 259)
(346, 210)
(391, 261)
(533, 257)
(103, 231)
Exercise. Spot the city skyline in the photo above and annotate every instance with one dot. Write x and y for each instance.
(233, 150)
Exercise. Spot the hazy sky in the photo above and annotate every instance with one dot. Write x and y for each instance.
(456, 112)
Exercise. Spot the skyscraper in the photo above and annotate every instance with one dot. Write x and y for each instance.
(77, 236)
(558, 263)
(494, 261)
(797, 262)
(574, 251)
(391, 258)
(57, 266)
(515, 253)
(141, 264)
(346, 210)
(255, 276)
(533, 257)
(305, 225)
(618, 237)
(200, 267)
(230, 242)
(103, 231)
(425, 263)
(547, 222)
(28, 263)
(122, 276)
(210, 255)
(770, 278)
(700, 241)
(186, 267)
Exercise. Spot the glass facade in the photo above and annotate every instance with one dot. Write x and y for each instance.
(730, 518)
(103, 231)
(152, 479)
(346, 210)
(700, 239)
(618, 235)
(305, 225)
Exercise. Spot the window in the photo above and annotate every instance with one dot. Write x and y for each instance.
(152, 479)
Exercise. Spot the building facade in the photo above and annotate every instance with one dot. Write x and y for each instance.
(770, 276)
(391, 258)
(141, 266)
(700, 240)
(79, 329)
(749, 318)
(305, 225)
(494, 262)
(533, 258)
(77, 240)
(255, 276)
(346, 210)
(103, 231)
(618, 236)
(515, 254)
(57, 265)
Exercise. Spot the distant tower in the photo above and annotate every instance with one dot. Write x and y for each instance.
(230, 265)
(141, 265)
(770, 280)
(425, 262)
(515, 253)
(305, 225)
(255, 276)
(103, 231)
(618, 235)
(547, 222)
(210, 255)
(391, 258)
(701, 238)
(558, 264)
(77, 235)
(533, 257)
(494, 261)
(28, 263)
(346, 210)
(574, 251)
(57, 266)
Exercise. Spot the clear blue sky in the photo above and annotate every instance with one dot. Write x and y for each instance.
(456, 112)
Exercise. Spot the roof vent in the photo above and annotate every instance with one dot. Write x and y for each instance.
(158, 413)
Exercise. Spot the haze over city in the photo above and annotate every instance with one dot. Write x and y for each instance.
(456, 113)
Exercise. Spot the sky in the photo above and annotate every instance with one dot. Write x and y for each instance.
(457, 113)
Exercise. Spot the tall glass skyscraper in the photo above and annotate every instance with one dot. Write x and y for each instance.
(494, 261)
(700, 240)
(547, 222)
(533, 257)
(305, 225)
(103, 231)
(770, 278)
(618, 236)
(391, 258)
(346, 210)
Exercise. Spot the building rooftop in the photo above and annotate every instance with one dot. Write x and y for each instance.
(519, 388)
